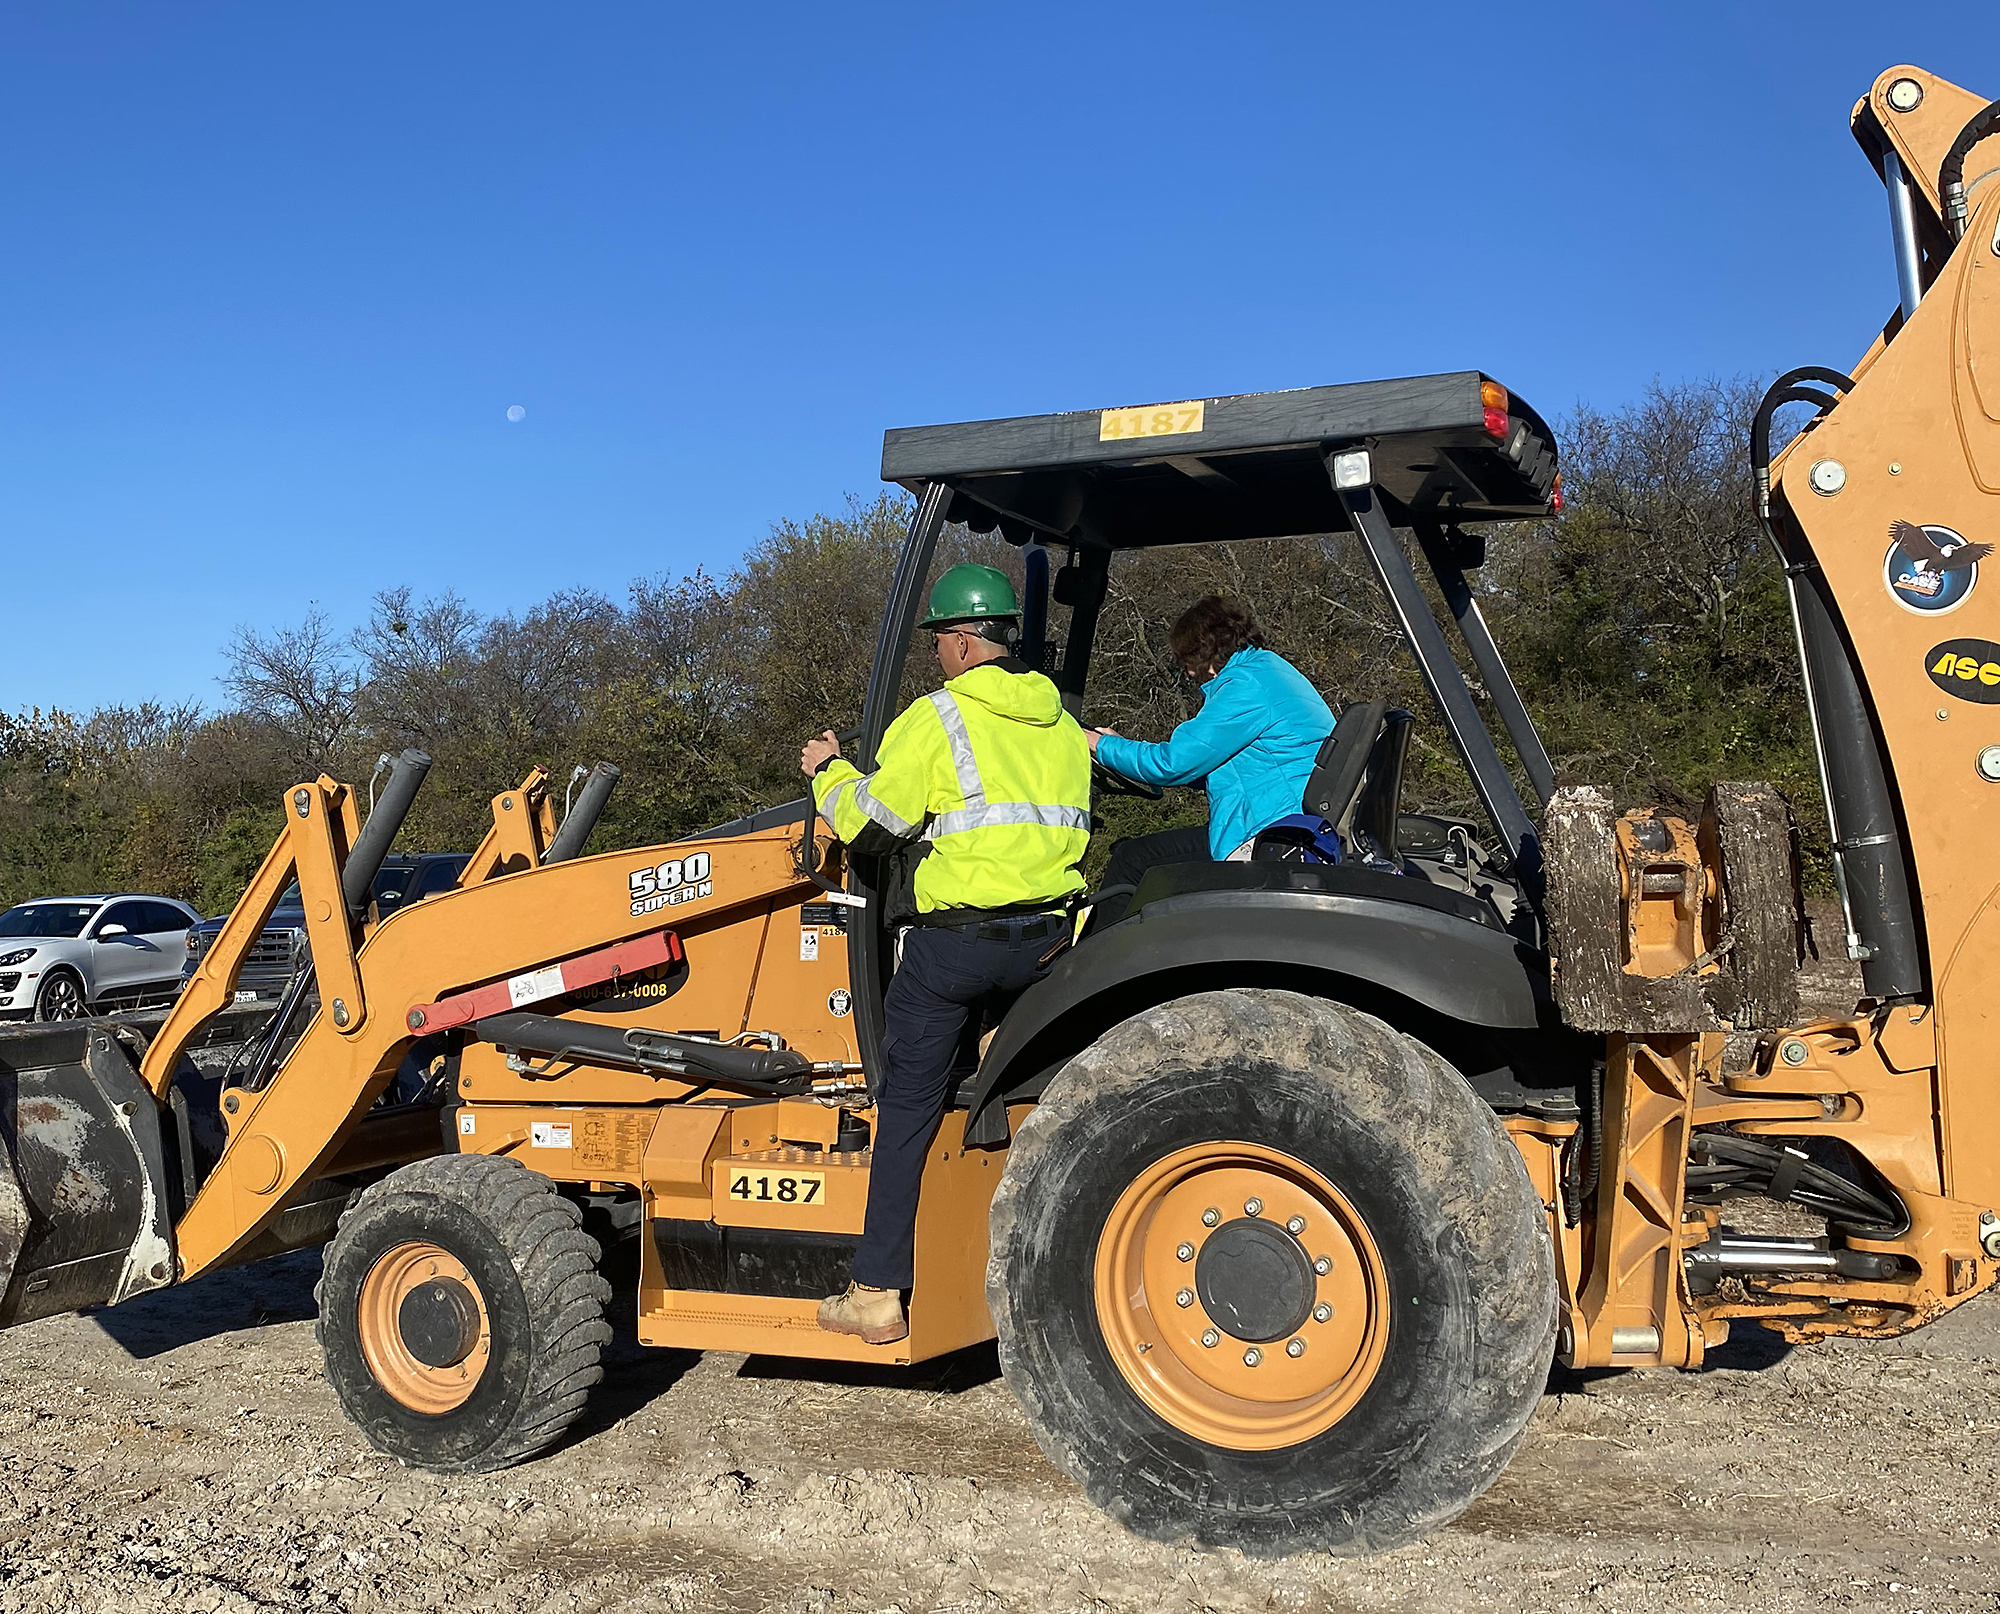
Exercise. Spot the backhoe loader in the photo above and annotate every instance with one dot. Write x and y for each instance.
(1279, 1194)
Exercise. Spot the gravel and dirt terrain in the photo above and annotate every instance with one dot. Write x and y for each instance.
(183, 1452)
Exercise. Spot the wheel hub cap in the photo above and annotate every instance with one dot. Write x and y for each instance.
(1254, 1281)
(439, 1322)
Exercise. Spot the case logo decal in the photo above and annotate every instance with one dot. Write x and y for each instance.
(1930, 570)
(1966, 668)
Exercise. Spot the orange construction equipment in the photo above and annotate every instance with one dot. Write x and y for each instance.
(1280, 1193)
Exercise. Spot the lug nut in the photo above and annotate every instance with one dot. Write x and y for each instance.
(1252, 1357)
(1210, 1217)
(1296, 1348)
(1253, 1207)
(1322, 1313)
(1296, 1226)
(1184, 1298)
(1185, 1252)
(1210, 1338)
(1323, 1265)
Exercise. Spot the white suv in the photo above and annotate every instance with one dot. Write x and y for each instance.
(64, 957)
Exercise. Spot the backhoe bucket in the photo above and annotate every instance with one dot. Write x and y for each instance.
(85, 1214)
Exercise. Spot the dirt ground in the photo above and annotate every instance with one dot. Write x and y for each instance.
(183, 1451)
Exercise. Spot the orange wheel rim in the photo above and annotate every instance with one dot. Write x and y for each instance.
(1242, 1296)
(424, 1329)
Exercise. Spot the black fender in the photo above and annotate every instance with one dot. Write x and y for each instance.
(1452, 966)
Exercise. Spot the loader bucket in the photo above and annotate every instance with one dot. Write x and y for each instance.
(85, 1217)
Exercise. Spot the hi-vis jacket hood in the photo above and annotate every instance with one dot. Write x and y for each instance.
(994, 774)
(1025, 697)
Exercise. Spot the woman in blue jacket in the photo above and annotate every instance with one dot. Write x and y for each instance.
(1255, 740)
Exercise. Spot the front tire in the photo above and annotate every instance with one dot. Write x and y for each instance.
(462, 1314)
(1268, 1274)
(61, 997)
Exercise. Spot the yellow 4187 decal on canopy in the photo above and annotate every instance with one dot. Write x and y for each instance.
(1154, 420)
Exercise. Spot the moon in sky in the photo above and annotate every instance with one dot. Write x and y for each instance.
(516, 413)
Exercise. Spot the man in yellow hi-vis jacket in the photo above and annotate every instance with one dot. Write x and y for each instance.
(994, 775)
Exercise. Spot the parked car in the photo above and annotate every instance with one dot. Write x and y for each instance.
(281, 951)
(62, 958)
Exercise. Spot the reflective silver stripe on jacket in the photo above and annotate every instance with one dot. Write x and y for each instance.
(962, 760)
(1008, 812)
(828, 807)
(864, 798)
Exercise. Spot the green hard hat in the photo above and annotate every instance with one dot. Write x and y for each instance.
(969, 593)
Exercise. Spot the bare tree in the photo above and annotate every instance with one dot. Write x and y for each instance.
(301, 679)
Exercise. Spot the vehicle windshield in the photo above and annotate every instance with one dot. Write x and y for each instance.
(390, 885)
(47, 919)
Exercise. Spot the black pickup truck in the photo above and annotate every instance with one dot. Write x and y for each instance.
(281, 951)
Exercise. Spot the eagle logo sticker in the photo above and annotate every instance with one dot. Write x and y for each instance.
(1930, 570)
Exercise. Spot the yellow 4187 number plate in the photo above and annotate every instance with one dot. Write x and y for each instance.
(1154, 420)
(778, 1188)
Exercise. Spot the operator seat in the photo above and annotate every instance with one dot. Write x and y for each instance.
(1347, 767)
(1372, 830)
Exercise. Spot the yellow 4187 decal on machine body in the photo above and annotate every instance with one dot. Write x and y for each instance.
(779, 1187)
(1154, 420)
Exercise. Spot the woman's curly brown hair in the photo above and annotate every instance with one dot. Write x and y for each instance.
(1212, 630)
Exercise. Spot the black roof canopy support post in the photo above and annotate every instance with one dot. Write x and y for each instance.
(899, 616)
(1034, 646)
(1446, 684)
(1486, 657)
(869, 944)
(1093, 579)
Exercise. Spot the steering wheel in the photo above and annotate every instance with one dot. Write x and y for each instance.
(1116, 784)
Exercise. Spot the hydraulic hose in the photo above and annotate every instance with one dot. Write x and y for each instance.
(1951, 174)
(1869, 869)
(1784, 390)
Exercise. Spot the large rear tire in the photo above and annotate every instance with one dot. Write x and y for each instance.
(462, 1314)
(1268, 1274)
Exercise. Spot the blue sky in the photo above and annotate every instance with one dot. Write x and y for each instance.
(274, 275)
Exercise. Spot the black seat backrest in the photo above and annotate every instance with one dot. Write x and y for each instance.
(1375, 811)
(1342, 760)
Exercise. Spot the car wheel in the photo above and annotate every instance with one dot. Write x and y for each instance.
(61, 997)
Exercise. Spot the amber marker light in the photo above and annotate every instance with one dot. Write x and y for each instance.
(1493, 398)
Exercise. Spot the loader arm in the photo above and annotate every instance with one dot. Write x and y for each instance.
(524, 822)
(321, 1133)
(509, 930)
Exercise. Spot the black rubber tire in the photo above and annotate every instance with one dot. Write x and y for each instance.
(537, 1270)
(66, 977)
(1426, 1165)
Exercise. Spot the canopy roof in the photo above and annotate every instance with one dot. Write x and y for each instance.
(1250, 466)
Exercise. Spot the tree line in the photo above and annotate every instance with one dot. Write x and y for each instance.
(1647, 630)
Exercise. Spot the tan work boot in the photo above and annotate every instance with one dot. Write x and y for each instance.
(875, 1315)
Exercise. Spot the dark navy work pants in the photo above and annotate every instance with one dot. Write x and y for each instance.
(945, 976)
